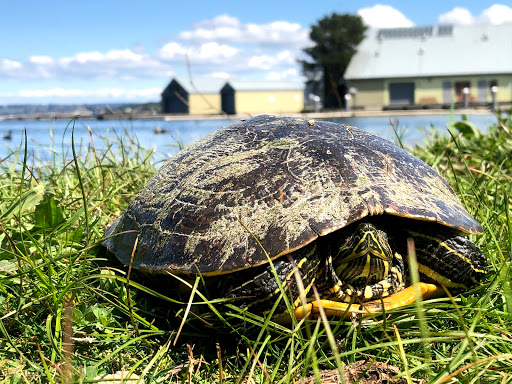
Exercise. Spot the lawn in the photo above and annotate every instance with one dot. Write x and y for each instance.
(70, 314)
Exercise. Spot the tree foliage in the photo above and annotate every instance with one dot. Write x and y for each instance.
(335, 39)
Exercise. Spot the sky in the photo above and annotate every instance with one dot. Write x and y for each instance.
(110, 51)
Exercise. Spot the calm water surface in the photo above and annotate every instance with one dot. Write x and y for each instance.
(49, 138)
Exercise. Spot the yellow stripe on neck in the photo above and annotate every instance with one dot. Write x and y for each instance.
(438, 277)
(443, 244)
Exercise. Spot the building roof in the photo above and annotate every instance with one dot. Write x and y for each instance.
(243, 85)
(203, 85)
(437, 50)
(206, 85)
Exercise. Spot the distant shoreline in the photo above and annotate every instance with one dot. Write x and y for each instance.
(307, 115)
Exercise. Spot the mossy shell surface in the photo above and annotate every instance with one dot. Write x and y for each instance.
(284, 181)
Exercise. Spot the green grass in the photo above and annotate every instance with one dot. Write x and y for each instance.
(67, 315)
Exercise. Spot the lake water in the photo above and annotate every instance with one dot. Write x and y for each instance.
(46, 138)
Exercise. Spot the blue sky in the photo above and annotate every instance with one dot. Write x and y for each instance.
(127, 51)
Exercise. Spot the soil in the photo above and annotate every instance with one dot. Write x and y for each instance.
(371, 372)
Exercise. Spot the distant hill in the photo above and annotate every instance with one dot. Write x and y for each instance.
(14, 110)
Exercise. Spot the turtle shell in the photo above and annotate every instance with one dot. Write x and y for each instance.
(273, 184)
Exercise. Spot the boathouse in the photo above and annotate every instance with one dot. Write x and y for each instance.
(432, 66)
(195, 97)
(256, 97)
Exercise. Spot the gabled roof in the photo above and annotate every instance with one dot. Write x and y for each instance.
(206, 85)
(439, 50)
(203, 85)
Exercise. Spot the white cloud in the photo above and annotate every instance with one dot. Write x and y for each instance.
(11, 69)
(220, 75)
(116, 63)
(248, 49)
(267, 62)
(172, 51)
(120, 63)
(220, 47)
(84, 57)
(495, 14)
(457, 15)
(102, 93)
(44, 60)
(288, 74)
(261, 62)
(384, 16)
(212, 52)
(7, 65)
(124, 55)
(55, 92)
(229, 29)
(115, 58)
(209, 46)
(221, 21)
(222, 27)
(278, 32)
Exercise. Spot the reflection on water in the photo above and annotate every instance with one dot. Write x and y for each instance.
(53, 138)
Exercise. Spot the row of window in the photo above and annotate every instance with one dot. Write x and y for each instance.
(404, 93)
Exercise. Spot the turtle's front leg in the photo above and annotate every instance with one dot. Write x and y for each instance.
(362, 290)
(259, 291)
(341, 310)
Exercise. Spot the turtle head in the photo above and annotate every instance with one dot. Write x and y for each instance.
(364, 263)
(366, 240)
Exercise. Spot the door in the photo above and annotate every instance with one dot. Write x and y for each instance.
(482, 91)
(447, 92)
(401, 93)
(227, 96)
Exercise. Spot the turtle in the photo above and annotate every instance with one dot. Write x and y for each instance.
(315, 209)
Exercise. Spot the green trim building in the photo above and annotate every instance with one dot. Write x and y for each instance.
(432, 67)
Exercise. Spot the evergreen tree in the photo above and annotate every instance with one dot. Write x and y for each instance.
(336, 38)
